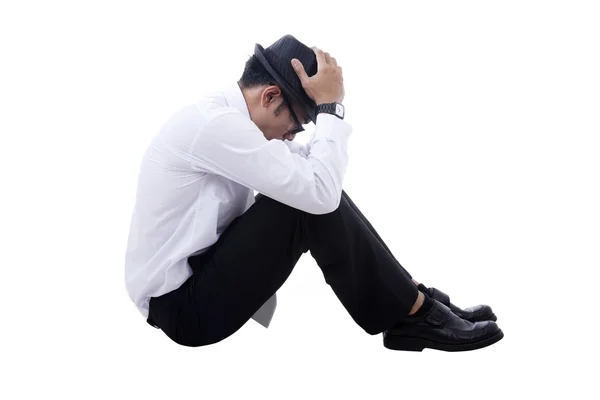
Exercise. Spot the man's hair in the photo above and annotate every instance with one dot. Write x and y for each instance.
(255, 74)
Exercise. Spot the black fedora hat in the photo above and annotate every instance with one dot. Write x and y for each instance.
(276, 59)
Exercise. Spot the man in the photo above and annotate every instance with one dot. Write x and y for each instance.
(204, 256)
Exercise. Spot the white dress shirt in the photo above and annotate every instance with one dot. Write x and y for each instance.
(200, 172)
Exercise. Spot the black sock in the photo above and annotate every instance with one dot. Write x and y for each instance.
(424, 309)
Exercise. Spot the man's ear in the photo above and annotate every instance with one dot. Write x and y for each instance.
(269, 95)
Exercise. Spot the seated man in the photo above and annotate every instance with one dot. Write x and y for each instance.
(204, 256)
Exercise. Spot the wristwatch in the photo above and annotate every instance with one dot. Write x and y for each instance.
(336, 109)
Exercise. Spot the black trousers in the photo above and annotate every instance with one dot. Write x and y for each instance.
(256, 254)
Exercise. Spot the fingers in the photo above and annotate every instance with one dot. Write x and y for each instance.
(324, 57)
(321, 61)
(327, 84)
(299, 68)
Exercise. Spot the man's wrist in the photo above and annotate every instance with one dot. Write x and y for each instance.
(333, 108)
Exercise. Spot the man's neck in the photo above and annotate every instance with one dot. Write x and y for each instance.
(248, 97)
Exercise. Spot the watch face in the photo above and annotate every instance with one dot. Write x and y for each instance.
(339, 109)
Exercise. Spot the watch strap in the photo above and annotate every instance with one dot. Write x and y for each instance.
(328, 108)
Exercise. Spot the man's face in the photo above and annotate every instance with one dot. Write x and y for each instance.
(276, 120)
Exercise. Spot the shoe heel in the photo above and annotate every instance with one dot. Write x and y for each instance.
(403, 343)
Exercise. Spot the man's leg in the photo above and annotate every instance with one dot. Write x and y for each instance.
(481, 312)
(373, 231)
(256, 254)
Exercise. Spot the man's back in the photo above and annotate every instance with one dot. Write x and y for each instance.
(180, 208)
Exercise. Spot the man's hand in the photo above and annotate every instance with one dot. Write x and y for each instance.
(327, 85)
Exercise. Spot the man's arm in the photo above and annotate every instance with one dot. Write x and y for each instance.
(232, 146)
(301, 149)
(296, 148)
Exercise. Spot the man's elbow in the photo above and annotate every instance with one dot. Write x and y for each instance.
(328, 205)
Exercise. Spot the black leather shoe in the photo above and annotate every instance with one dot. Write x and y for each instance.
(441, 329)
(473, 314)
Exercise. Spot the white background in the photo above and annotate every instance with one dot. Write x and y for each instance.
(475, 154)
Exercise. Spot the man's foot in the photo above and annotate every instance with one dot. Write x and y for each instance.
(477, 313)
(441, 329)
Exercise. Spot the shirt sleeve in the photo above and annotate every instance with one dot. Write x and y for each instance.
(231, 145)
(301, 150)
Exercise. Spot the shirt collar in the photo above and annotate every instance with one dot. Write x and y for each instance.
(235, 98)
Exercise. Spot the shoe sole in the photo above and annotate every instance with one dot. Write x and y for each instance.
(404, 343)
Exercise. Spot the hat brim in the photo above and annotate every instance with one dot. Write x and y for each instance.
(289, 91)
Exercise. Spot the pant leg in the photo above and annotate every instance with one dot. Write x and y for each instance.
(373, 287)
(370, 227)
(256, 254)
